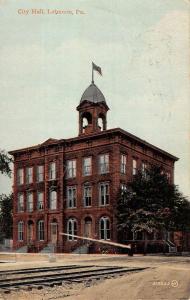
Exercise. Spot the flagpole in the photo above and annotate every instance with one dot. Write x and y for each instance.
(92, 74)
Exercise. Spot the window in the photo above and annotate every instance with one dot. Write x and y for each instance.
(40, 200)
(144, 168)
(87, 195)
(40, 173)
(123, 166)
(20, 176)
(134, 166)
(104, 193)
(29, 201)
(72, 229)
(52, 171)
(71, 196)
(168, 176)
(104, 163)
(20, 202)
(29, 175)
(87, 166)
(71, 168)
(53, 200)
(123, 187)
(20, 231)
(40, 230)
(104, 228)
(124, 192)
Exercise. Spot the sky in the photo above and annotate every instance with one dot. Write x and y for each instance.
(45, 66)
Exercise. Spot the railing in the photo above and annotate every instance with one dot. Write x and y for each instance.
(171, 245)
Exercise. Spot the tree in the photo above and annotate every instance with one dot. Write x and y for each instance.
(151, 204)
(6, 219)
(6, 202)
(5, 161)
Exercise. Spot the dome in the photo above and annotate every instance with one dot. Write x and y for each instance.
(93, 94)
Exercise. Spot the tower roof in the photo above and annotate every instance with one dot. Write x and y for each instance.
(93, 94)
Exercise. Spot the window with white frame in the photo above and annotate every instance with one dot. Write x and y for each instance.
(87, 166)
(53, 200)
(40, 200)
(104, 163)
(20, 202)
(20, 231)
(123, 166)
(134, 166)
(29, 201)
(20, 176)
(52, 171)
(40, 229)
(71, 168)
(87, 195)
(168, 175)
(71, 229)
(144, 168)
(71, 196)
(40, 173)
(104, 193)
(104, 226)
(123, 187)
(29, 175)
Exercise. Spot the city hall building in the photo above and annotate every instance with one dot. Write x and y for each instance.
(71, 185)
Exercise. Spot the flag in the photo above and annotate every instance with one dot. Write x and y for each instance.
(96, 68)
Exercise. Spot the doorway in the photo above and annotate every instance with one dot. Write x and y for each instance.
(30, 231)
(88, 227)
(53, 232)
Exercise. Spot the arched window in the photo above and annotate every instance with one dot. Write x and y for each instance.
(86, 120)
(104, 226)
(20, 231)
(101, 122)
(72, 229)
(53, 200)
(40, 229)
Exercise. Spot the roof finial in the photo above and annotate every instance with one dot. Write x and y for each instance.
(92, 74)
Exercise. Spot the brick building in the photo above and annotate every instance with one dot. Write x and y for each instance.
(71, 185)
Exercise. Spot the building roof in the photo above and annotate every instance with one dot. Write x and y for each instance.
(99, 135)
(93, 94)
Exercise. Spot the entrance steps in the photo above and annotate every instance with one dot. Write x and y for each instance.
(185, 253)
(83, 249)
(49, 248)
(23, 249)
(172, 247)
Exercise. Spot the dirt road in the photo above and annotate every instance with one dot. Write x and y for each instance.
(165, 278)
